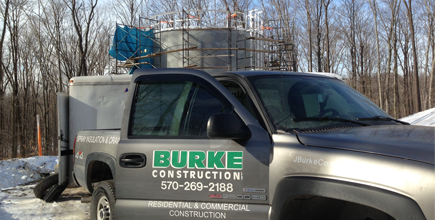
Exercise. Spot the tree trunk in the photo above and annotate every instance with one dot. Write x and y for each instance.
(319, 35)
(319, 50)
(363, 80)
(13, 28)
(408, 103)
(2, 74)
(428, 101)
(328, 63)
(375, 13)
(310, 46)
(353, 47)
(432, 81)
(396, 70)
(432, 77)
(393, 7)
(387, 78)
(417, 99)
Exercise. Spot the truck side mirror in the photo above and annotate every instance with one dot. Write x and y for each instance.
(227, 126)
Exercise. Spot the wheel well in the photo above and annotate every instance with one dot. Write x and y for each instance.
(324, 192)
(97, 171)
(316, 207)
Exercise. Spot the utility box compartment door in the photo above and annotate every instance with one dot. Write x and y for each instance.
(64, 153)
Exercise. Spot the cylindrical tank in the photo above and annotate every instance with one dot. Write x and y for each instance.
(213, 47)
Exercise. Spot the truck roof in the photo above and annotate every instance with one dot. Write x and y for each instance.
(278, 73)
(81, 80)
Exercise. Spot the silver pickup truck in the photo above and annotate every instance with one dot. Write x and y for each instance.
(254, 145)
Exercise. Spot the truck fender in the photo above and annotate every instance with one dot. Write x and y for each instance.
(101, 157)
(398, 206)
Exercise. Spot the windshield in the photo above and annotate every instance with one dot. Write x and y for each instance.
(289, 100)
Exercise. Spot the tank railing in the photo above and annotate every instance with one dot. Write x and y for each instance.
(204, 19)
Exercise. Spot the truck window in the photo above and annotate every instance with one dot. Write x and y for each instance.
(200, 108)
(241, 96)
(286, 98)
(173, 109)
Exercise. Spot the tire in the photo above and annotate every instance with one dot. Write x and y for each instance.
(45, 185)
(54, 193)
(103, 201)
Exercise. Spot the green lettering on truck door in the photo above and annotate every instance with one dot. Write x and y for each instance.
(177, 160)
(198, 159)
(214, 159)
(161, 159)
(235, 160)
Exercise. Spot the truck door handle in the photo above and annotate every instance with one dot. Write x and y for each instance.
(132, 160)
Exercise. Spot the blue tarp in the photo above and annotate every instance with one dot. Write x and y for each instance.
(131, 42)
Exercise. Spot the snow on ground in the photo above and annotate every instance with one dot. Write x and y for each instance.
(426, 118)
(18, 178)
(19, 171)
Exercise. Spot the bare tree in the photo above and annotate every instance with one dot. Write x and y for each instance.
(394, 7)
(409, 12)
(404, 42)
(318, 27)
(375, 14)
(14, 24)
(128, 11)
(326, 4)
(83, 19)
(396, 110)
(310, 38)
(432, 79)
(58, 12)
(26, 80)
(363, 48)
(430, 23)
(5, 15)
(349, 13)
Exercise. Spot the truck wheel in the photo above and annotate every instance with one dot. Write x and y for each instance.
(103, 201)
(54, 193)
(45, 185)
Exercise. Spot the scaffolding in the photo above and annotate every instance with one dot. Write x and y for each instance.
(250, 43)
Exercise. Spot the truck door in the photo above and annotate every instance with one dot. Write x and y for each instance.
(185, 174)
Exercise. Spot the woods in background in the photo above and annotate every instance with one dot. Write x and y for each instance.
(385, 49)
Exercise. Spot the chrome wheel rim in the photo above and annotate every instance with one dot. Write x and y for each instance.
(103, 209)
